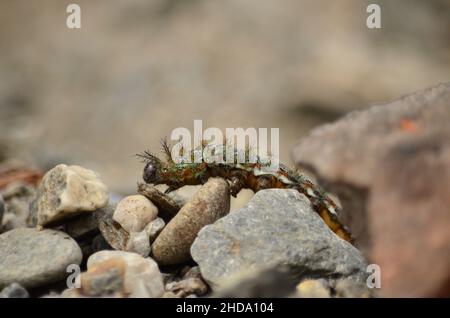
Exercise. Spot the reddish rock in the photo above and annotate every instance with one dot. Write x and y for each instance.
(390, 167)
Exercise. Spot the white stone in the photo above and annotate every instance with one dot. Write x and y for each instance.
(66, 191)
(134, 212)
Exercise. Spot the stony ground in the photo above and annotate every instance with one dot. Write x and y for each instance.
(389, 166)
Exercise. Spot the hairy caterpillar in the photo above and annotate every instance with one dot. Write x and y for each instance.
(255, 176)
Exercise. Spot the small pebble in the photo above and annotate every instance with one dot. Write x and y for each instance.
(134, 212)
(210, 203)
(14, 290)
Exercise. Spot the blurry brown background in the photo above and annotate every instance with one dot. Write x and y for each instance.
(138, 69)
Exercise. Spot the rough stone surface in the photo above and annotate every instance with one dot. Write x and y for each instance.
(313, 288)
(33, 258)
(275, 227)
(390, 166)
(111, 231)
(142, 275)
(14, 291)
(139, 243)
(209, 204)
(261, 282)
(186, 287)
(134, 212)
(104, 279)
(154, 228)
(82, 226)
(17, 198)
(66, 191)
(168, 206)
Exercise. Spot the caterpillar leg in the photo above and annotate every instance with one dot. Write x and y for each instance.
(236, 185)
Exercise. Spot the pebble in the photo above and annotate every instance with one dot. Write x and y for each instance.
(106, 278)
(276, 227)
(33, 258)
(14, 290)
(186, 287)
(66, 191)
(139, 243)
(111, 231)
(209, 204)
(313, 288)
(82, 226)
(142, 276)
(134, 212)
(154, 228)
(168, 206)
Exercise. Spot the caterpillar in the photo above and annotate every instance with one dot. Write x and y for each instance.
(255, 176)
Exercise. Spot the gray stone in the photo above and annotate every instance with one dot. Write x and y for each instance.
(14, 290)
(142, 275)
(111, 231)
(85, 225)
(277, 227)
(138, 243)
(33, 258)
(209, 204)
(189, 286)
(66, 191)
(154, 228)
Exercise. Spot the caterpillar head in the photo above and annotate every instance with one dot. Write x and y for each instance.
(153, 168)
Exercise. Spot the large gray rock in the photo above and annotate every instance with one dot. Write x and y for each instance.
(66, 191)
(33, 258)
(276, 227)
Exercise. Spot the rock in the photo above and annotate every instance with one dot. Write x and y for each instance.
(209, 204)
(390, 166)
(313, 288)
(105, 278)
(193, 272)
(154, 228)
(99, 244)
(261, 282)
(167, 206)
(134, 212)
(17, 198)
(276, 227)
(346, 288)
(139, 243)
(187, 287)
(112, 232)
(14, 291)
(142, 275)
(82, 226)
(66, 191)
(33, 258)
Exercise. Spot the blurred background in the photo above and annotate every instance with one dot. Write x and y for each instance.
(137, 69)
